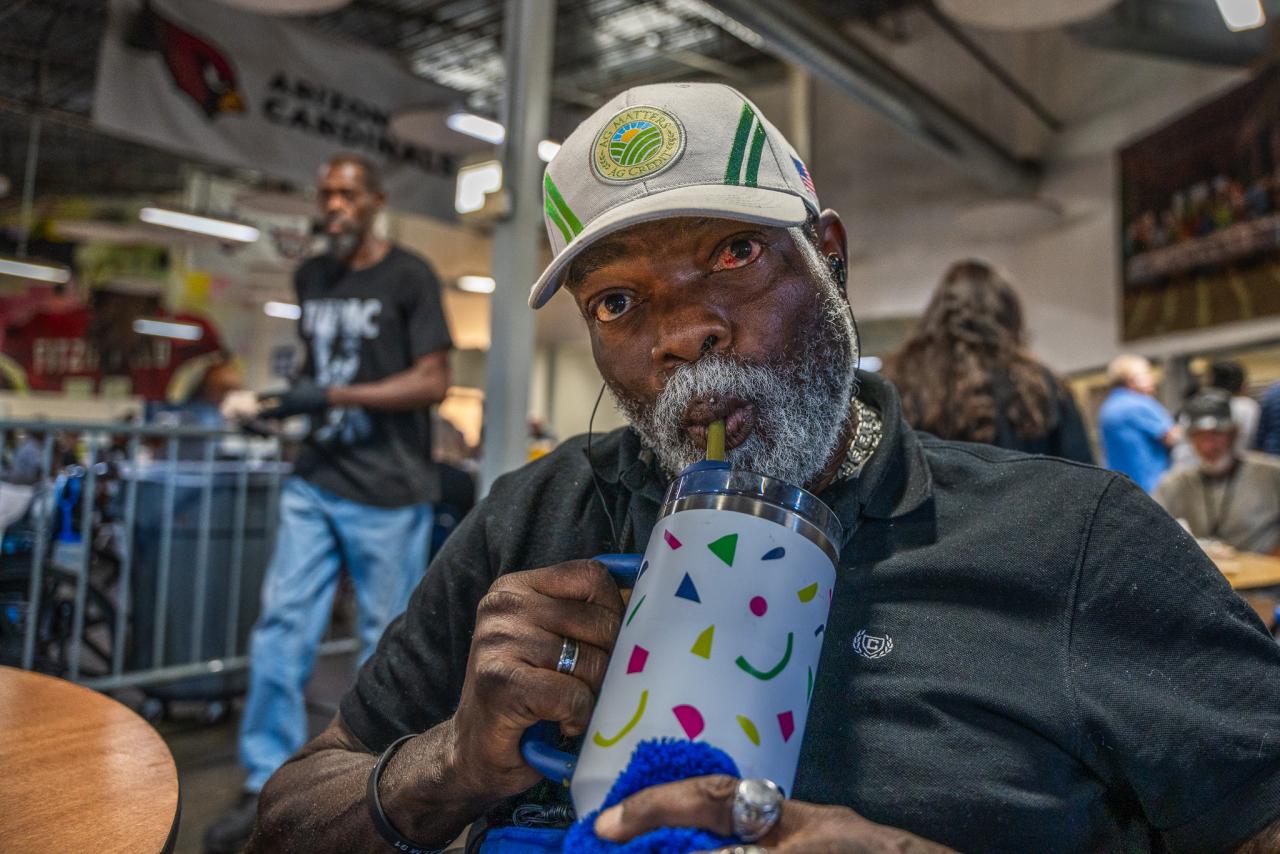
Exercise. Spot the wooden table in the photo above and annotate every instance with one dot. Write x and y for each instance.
(80, 772)
(1248, 571)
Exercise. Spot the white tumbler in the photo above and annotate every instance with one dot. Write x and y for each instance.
(721, 638)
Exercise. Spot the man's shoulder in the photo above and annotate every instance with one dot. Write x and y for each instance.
(985, 457)
(1266, 464)
(310, 276)
(1115, 402)
(410, 262)
(991, 473)
(313, 266)
(1177, 481)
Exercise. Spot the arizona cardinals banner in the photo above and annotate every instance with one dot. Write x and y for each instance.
(228, 86)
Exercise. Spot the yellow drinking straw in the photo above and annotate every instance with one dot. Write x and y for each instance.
(715, 440)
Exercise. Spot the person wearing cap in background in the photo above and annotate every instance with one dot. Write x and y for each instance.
(1229, 375)
(1136, 431)
(1227, 497)
(1043, 689)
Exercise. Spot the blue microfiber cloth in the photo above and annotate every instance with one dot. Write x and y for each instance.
(661, 760)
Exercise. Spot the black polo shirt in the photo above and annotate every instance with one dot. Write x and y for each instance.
(1067, 671)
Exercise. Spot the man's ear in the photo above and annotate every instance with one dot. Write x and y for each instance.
(831, 235)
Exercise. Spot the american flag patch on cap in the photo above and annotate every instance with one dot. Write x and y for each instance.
(805, 177)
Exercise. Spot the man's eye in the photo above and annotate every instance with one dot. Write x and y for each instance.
(612, 306)
(738, 252)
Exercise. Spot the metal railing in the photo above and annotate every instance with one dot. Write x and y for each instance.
(147, 551)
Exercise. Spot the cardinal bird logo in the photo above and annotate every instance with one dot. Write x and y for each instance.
(198, 68)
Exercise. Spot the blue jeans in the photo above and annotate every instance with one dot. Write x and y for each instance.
(384, 550)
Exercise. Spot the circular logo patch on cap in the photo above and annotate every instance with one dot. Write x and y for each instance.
(638, 142)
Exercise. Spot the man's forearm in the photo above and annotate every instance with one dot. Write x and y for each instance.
(316, 802)
(421, 386)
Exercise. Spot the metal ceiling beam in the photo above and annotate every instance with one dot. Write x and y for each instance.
(791, 32)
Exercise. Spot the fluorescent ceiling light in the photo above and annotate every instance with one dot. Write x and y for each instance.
(477, 126)
(282, 310)
(29, 270)
(476, 284)
(1242, 14)
(474, 183)
(220, 228)
(547, 150)
(493, 132)
(168, 329)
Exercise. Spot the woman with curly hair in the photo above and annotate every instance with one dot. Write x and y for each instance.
(965, 372)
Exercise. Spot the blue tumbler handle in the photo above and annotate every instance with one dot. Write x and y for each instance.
(623, 567)
(537, 745)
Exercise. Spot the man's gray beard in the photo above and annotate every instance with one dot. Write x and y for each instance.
(1218, 467)
(801, 405)
(341, 246)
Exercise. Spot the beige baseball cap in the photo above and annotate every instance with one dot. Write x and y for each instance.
(668, 150)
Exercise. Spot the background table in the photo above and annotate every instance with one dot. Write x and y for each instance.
(80, 772)
(1248, 571)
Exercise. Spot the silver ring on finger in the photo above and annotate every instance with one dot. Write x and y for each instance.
(757, 806)
(568, 656)
(744, 849)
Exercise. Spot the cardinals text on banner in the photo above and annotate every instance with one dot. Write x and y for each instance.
(220, 84)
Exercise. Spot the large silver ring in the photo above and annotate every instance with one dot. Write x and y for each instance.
(568, 656)
(757, 806)
(744, 849)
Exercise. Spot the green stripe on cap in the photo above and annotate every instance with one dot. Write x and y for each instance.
(753, 162)
(554, 216)
(554, 197)
(739, 145)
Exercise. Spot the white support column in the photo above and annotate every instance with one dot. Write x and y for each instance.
(529, 33)
(800, 116)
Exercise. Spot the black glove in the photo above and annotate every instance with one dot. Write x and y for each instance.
(305, 398)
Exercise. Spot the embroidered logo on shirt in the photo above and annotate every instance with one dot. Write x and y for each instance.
(872, 646)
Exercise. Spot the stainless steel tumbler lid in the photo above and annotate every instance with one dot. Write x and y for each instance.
(715, 486)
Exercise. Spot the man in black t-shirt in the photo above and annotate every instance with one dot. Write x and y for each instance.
(1054, 664)
(361, 495)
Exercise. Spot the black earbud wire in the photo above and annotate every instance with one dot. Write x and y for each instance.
(595, 477)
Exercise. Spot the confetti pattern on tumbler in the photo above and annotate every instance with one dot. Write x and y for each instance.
(690, 720)
(766, 675)
(806, 594)
(602, 741)
(671, 540)
(639, 657)
(702, 646)
(787, 723)
(725, 548)
(636, 609)
(775, 554)
(750, 729)
(687, 590)
(758, 605)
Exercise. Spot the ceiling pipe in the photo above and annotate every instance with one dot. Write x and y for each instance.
(793, 33)
(995, 69)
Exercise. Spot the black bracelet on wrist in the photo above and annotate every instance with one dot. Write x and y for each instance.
(379, 818)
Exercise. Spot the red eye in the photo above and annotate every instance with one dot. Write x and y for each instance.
(738, 252)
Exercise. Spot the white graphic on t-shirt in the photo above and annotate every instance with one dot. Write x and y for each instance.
(872, 646)
(336, 329)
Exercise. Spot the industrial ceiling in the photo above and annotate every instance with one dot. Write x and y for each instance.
(48, 57)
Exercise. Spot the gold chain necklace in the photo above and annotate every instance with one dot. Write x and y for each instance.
(864, 441)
